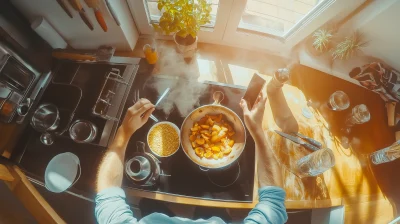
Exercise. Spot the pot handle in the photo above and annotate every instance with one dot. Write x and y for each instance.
(203, 168)
(218, 96)
(140, 146)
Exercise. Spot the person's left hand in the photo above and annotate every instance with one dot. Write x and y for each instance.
(136, 116)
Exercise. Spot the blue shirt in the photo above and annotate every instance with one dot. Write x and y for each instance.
(112, 208)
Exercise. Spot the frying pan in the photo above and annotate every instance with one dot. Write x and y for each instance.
(229, 116)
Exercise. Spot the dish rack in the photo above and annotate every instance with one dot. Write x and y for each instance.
(111, 94)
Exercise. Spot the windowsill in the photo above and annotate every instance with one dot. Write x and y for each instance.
(338, 68)
(216, 63)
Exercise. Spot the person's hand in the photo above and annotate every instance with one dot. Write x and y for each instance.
(136, 116)
(253, 117)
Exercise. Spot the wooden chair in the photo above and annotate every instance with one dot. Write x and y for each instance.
(22, 188)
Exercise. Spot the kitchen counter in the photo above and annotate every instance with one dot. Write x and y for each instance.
(367, 192)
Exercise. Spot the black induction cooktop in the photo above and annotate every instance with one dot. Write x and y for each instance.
(180, 176)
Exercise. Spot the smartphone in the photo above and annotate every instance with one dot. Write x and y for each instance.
(253, 90)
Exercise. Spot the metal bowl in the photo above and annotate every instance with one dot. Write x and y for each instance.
(45, 118)
(172, 125)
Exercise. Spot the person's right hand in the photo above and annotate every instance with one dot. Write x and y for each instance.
(253, 117)
(136, 116)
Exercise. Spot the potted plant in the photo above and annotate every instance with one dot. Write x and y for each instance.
(320, 41)
(349, 47)
(183, 19)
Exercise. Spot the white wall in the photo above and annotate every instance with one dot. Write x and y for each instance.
(383, 31)
(380, 23)
(75, 32)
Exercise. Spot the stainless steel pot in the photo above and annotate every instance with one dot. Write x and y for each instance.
(46, 118)
(82, 131)
(231, 117)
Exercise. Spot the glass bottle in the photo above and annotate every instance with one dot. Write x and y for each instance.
(387, 154)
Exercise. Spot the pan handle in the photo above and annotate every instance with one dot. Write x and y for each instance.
(203, 168)
(140, 146)
(218, 96)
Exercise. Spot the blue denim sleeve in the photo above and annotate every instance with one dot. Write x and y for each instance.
(270, 208)
(112, 208)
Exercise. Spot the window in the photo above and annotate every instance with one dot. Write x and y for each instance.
(276, 17)
(271, 25)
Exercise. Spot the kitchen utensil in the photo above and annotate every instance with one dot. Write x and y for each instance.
(172, 125)
(231, 117)
(109, 92)
(103, 53)
(113, 13)
(65, 8)
(339, 101)
(73, 57)
(310, 140)
(143, 169)
(136, 98)
(45, 118)
(315, 163)
(298, 141)
(82, 131)
(162, 96)
(62, 172)
(94, 4)
(78, 7)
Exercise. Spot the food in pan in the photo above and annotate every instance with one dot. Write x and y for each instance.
(212, 137)
(163, 139)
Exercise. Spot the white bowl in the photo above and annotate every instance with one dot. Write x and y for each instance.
(177, 130)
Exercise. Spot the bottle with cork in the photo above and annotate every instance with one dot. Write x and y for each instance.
(283, 116)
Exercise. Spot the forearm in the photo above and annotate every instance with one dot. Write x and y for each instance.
(111, 168)
(268, 168)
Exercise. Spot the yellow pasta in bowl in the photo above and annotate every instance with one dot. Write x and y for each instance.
(164, 139)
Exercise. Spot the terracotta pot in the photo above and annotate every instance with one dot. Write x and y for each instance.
(188, 51)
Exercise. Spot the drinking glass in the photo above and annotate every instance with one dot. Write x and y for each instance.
(315, 163)
(338, 101)
(359, 115)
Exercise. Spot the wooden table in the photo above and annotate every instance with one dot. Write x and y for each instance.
(351, 182)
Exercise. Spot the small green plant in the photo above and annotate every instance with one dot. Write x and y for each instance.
(183, 17)
(349, 46)
(322, 39)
